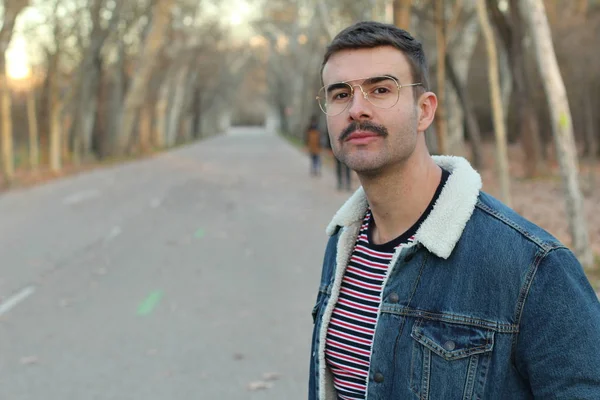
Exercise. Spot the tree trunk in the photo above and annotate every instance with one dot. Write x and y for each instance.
(562, 127)
(582, 7)
(34, 149)
(136, 95)
(146, 129)
(65, 119)
(526, 115)
(496, 101)
(463, 44)
(590, 136)
(551, 10)
(53, 112)
(11, 12)
(402, 12)
(473, 130)
(55, 135)
(86, 115)
(90, 73)
(177, 104)
(159, 137)
(441, 122)
(8, 158)
(196, 112)
(116, 103)
(512, 35)
(188, 108)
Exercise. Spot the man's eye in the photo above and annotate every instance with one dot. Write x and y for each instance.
(381, 90)
(340, 96)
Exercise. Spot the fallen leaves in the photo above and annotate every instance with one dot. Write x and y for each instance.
(266, 383)
(29, 360)
(259, 385)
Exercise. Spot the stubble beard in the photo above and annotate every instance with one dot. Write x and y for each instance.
(390, 150)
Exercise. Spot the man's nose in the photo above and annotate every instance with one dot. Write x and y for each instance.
(360, 107)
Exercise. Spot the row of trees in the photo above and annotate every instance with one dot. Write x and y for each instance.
(112, 78)
(115, 78)
(532, 57)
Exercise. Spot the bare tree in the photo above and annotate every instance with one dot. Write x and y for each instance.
(12, 9)
(473, 130)
(441, 121)
(32, 122)
(496, 100)
(54, 102)
(463, 34)
(137, 91)
(90, 70)
(562, 127)
(402, 13)
(511, 33)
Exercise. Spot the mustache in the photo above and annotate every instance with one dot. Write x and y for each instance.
(363, 126)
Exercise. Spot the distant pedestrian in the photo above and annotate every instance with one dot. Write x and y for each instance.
(313, 143)
(344, 180)
(342, 172)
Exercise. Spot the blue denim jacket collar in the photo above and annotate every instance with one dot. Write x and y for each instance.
(444, 226)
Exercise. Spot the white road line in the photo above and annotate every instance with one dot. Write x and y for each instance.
(16, 299)
(80, 196)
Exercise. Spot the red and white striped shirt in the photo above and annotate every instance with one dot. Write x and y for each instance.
(352, 326)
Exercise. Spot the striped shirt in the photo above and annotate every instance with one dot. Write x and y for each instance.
(352, 326)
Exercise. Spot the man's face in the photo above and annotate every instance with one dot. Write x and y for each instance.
(365, 137)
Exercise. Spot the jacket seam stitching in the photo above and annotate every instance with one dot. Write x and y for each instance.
(523, 295)
(454, 319)
(547, 246)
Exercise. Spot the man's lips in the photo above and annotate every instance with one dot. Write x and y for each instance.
(361, 136)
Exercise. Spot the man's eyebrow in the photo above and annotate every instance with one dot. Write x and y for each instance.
(380, 78)
(337, 85)
(370, 79)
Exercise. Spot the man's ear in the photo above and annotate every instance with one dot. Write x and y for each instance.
(427, 105)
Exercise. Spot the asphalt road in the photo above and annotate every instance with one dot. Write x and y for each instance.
(190, 275)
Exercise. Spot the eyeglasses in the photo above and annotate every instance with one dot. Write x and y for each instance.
(381, 91)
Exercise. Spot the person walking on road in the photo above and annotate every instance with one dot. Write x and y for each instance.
(344, 180)
(342, 172)
(430, 287)
(313, 143)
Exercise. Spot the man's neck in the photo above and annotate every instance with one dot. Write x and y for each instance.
(399, 197)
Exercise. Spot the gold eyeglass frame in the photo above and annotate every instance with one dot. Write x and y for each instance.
(365, 95)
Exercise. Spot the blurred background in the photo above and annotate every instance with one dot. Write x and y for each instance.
(212, 100)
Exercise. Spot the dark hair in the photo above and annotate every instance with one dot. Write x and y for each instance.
(370, 34)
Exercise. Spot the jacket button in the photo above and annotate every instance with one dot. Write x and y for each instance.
(378, 377)
(394, 298)
(449, 345)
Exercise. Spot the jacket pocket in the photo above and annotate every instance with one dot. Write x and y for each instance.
(449, 361)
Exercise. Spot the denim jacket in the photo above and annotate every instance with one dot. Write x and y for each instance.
(484, 305)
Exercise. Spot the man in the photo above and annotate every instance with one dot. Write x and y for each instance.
(431, 288)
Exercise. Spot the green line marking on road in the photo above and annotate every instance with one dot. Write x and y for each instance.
(199, 234)
(150, 303)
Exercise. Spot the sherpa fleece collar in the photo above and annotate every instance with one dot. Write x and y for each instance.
(440, 232)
